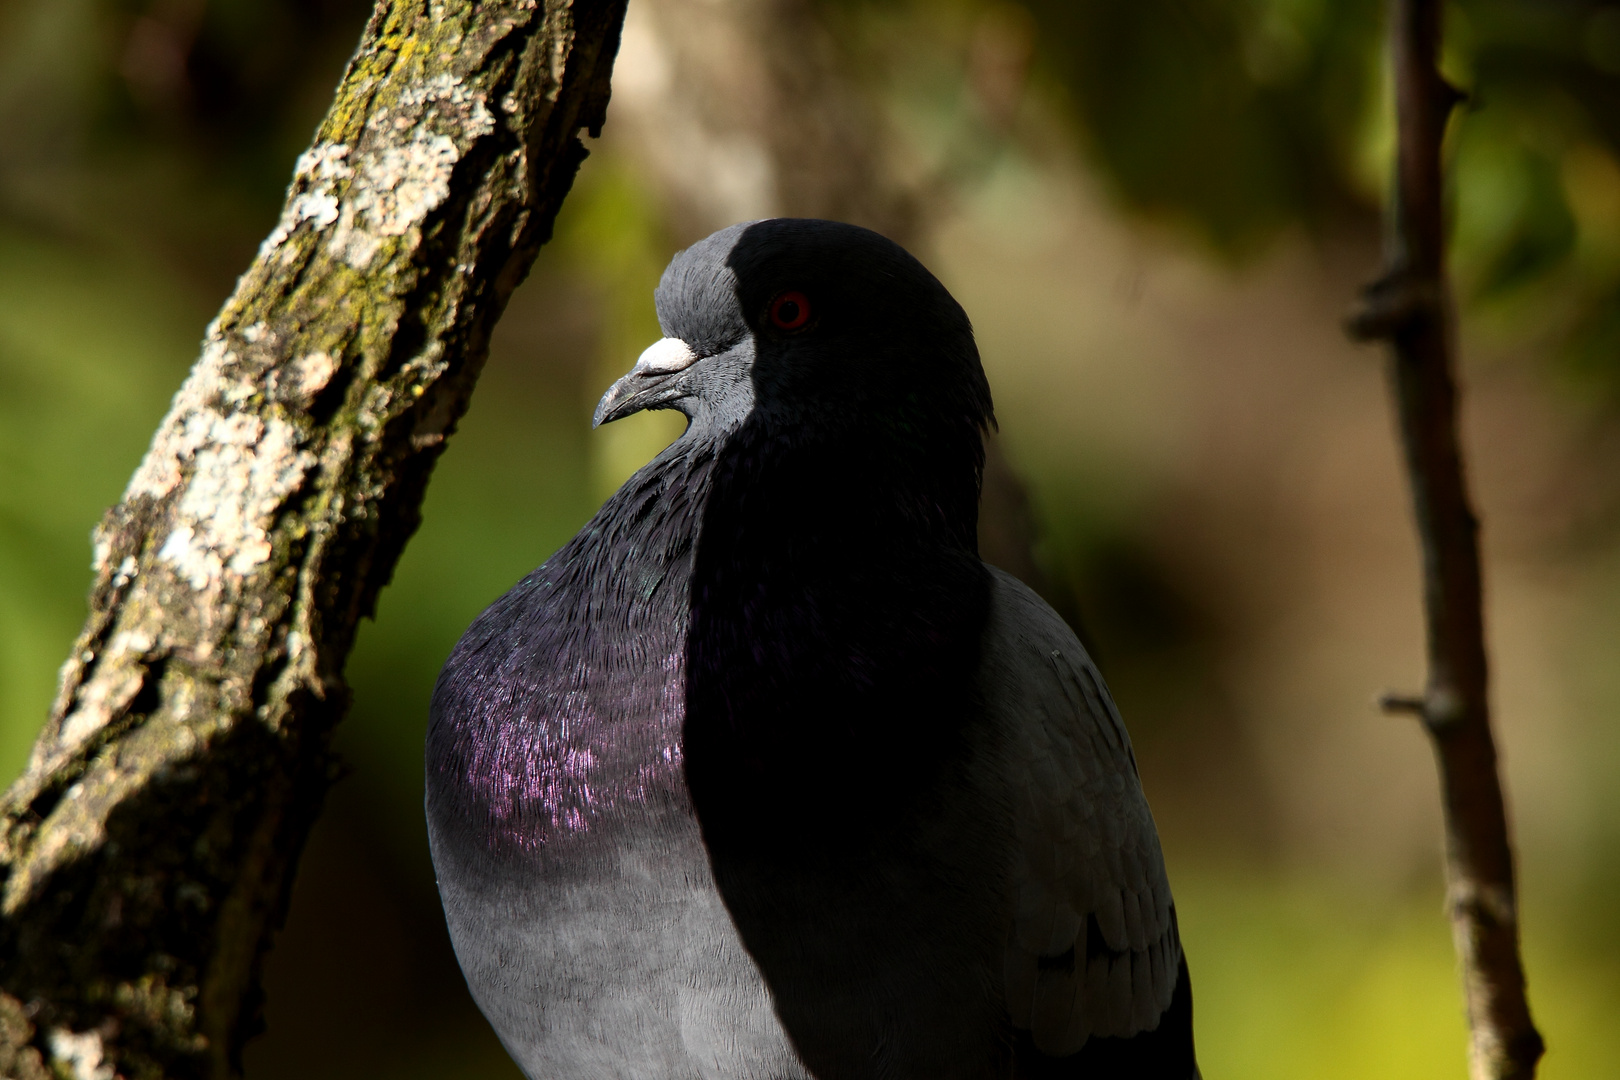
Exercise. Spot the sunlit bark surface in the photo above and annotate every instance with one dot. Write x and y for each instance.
(148, 850)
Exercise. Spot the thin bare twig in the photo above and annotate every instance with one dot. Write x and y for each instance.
(1407, 306)
(1407, 704)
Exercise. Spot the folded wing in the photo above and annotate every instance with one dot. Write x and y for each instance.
(1093, 949)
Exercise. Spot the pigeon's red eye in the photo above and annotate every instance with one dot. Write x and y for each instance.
(790, 311)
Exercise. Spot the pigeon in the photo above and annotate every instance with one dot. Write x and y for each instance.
(765, 775)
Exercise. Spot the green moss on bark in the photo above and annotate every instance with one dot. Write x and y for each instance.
(147, 853)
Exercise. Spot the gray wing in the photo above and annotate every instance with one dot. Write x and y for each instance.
(1093, 949)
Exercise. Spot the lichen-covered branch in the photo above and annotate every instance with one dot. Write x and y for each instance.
(1408, 307)
(147, 853)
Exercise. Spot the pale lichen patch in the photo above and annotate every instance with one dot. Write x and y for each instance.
(99, 701)
(313, 372)
(321, 170)
(181, 433)
(81, 1054)
(242, 470)
(100, 549)
(406, 175)
(408, 181)
(399, 186)
(374, 409)
(467, 108)
(297, 382)
(115, 683)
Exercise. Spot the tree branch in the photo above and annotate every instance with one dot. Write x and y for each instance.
(147, 854)
(1408, 307)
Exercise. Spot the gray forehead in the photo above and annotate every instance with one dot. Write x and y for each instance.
(697, 296)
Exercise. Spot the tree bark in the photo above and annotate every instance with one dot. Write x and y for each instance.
(147, 853)
(1409, 307)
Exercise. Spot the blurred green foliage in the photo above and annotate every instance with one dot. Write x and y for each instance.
(1256, 109)
(614, 238)
(146, 146)
(1240, 118)
(91, 347)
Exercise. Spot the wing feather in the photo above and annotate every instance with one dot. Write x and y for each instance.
(1093, 949)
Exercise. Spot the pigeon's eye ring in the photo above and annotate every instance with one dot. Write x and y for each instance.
(790, 310)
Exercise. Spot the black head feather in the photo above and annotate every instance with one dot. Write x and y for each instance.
(846, 451)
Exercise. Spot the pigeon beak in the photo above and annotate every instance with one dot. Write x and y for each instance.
(651, 384)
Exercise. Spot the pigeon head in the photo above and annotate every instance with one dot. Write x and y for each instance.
(797, 326)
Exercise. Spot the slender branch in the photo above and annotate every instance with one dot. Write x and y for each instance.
(1408, 307)
(1408, 704)
(147, 853)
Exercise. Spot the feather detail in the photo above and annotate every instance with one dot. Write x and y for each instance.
(1093, 949)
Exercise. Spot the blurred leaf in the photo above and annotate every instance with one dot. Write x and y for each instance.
(1237, 118)
(1513, 224)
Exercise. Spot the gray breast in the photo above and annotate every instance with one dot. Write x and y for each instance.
(619, 963)
(1033, 898)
